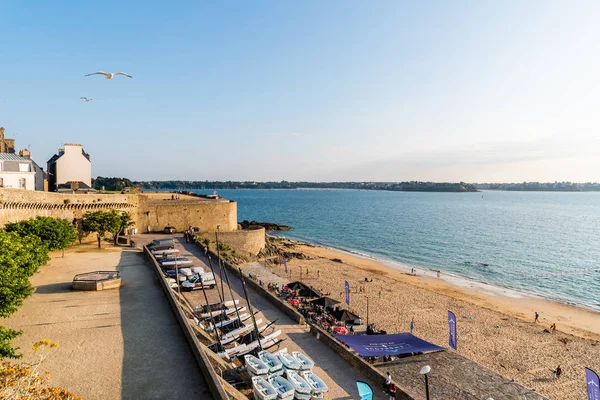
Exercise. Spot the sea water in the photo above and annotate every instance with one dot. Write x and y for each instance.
(538, 243)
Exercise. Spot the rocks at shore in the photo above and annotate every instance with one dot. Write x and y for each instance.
(269, 226)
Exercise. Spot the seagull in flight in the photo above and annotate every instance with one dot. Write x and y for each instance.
(110, 75)
(86, 99)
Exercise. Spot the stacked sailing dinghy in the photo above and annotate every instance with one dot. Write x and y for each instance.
(302, 390)
(317, 385)
(285, 390)
(262, 389)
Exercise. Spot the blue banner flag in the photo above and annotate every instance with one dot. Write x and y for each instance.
(364, 390)
(347, 286)
(452, 325)
(284, 265)
(593, 384)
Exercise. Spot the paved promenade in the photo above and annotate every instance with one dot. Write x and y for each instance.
(114, 344)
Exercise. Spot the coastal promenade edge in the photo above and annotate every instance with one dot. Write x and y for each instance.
(212, 379)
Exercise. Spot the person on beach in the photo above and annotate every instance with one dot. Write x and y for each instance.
(558, 372)
(388, 382)
(412, 324)
(380, 294)
(537, 317)
(392, 391)
(438, 273)
(318, 273)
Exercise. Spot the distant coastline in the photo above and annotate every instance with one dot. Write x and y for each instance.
(118, 184)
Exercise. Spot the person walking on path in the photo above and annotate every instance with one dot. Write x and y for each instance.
(388, 382)
(537, 317)
(412, 324)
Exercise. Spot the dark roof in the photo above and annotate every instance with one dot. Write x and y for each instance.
(53, 159)
(344, 315)
(325, 302)
(67, 185)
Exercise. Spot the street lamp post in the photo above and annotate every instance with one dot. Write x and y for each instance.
(367, 311)
(424, 371)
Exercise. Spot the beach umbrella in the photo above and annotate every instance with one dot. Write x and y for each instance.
(344, 316)
(325, 302)
(364, 390)
(341, 330)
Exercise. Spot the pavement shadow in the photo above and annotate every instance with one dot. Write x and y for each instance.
(53, 288)
(157, 362)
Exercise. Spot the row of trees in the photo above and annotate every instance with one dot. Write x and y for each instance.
(24, 247)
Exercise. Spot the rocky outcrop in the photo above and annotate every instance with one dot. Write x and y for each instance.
(245, 224)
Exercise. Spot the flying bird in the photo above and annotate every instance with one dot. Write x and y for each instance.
(86, 99)
(110, 75)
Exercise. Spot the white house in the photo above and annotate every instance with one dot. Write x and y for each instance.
(70, 169)
(16, 172)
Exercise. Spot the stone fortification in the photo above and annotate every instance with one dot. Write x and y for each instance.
(17, 205)
(154, 210)
(158, 211)
(251, 240)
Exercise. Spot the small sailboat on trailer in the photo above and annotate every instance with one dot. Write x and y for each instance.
(306, 364)
(285, 390)
(318, 386)
(275, 366)
(217, 313)
(217, 306)
(262, 389)
(255, 366)
(302, 390)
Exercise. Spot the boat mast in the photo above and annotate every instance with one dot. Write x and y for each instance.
(221, 348)
(250, 309)
(226, 276)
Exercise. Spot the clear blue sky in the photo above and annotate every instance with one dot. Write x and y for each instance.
(308, 90)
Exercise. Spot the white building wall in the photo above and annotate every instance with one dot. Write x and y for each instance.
(11, 179)
(73, 166)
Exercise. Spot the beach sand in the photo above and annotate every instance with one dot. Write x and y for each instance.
(501, 334)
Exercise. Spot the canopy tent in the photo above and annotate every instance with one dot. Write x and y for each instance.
(325, 302)
(303, 289)
(345, 316)
(387, 345)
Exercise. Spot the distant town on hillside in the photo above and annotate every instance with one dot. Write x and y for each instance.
(117, 184)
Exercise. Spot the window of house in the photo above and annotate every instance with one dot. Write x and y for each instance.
(1, 182)
(21, 183)
(24, 168)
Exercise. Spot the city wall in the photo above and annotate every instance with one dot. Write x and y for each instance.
(17, 205)
(148, 210)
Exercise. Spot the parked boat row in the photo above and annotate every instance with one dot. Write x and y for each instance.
(241, 337)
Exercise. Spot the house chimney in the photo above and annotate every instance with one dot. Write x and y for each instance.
(25, 153)
(2, 145)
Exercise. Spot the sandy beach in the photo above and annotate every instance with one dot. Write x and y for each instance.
(500, 333)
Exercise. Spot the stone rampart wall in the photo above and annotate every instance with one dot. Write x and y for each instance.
(145, 209)
(248, 240)
(17, 205)
(204, 214)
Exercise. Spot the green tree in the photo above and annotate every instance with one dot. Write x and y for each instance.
(102, 222)
(55, 233)
(20, 258)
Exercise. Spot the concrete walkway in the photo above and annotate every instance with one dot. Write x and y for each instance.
(114, 344)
